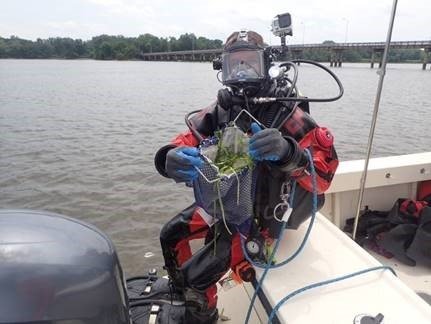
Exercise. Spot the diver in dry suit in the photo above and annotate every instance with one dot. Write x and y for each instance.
(278, 151)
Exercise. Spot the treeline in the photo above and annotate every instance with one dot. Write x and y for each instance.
(105, 47)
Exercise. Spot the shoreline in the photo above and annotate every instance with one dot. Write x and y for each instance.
(180, 61)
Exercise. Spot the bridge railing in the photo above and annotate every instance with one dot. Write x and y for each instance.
(400, 44)
(298, 47)
(336, 52)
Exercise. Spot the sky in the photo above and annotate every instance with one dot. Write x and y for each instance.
(313, 20)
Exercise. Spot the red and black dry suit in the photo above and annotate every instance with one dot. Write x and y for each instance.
(202, 270)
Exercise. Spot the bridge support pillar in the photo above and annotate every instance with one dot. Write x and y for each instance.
(336, 59)
(376, 54)
(426, 58)
(297, 54)
(340, 58)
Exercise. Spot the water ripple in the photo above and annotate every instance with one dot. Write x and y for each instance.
(82, 142)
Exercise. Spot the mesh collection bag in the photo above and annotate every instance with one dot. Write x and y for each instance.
(225, 185)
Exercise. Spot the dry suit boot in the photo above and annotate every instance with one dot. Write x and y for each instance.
(199, 316)
(197, 309)
(153, 299)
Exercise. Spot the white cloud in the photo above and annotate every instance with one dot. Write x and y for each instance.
(73, 28)
(126, 7)
(313, 20)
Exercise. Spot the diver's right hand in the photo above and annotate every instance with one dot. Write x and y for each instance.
(181, 162)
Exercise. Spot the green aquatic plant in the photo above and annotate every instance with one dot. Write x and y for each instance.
(232, 151)
(231, 157)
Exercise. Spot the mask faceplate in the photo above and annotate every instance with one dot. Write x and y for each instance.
(243, 65)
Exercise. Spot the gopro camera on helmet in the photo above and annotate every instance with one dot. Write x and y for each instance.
(245, 60)
(247, 68)
(282, 25)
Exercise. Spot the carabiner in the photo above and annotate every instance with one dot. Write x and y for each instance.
(284, 206)
(285, 192)
(286, 214)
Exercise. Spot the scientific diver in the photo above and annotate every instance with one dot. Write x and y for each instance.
(276, 145)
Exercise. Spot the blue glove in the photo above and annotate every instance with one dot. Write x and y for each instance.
(181, 162)
(267, 144)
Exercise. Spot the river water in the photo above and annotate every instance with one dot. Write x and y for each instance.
(79, 137)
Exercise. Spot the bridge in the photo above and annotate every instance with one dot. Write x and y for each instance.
(335, 49)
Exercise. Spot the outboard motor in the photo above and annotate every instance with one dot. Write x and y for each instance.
(55, 270)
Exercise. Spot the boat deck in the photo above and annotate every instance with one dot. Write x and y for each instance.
(330, 253)
(418, 278)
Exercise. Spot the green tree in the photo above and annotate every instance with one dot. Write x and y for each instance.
(108, 47)
(104, 52)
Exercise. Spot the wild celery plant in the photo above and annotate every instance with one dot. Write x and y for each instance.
(232, 157)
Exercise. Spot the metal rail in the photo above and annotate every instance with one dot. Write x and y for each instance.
(381, 73)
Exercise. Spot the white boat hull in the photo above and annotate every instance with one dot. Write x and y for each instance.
(330, 253)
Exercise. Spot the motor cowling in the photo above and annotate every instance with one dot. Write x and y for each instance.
(55, 269)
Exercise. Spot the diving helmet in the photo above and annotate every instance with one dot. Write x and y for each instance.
(244, 63)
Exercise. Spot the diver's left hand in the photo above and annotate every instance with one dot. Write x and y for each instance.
(267, 144)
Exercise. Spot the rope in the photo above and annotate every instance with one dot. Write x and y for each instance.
(323, 283)
(268, 266)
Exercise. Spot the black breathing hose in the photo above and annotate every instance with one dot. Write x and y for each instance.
(289, 92)
(295, 78)
(283, 99)
(293, 87)
(332, 74)
(191, 127)
(304, 99)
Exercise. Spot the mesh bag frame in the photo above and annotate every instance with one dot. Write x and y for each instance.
(224, 196)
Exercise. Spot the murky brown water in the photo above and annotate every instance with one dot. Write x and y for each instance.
(78, 137)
